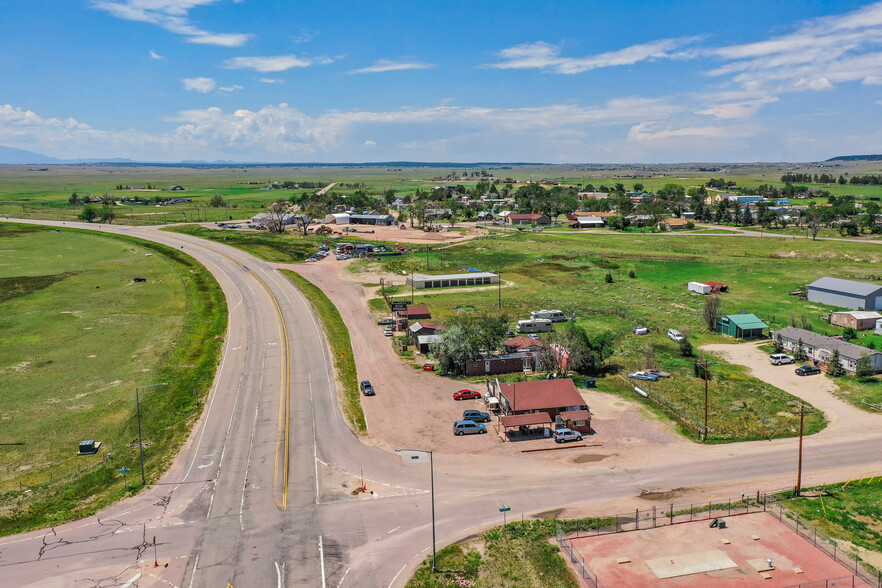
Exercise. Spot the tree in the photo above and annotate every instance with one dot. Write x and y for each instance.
(88, 213)
(277, 212)
(588, 355)
(834, 366)
(799, 354)
(609, 277)
(217, 201)
(685, 345)
(107, 215)
(864, 368)
(457, 346)
(813, 222)
(314, 210)
(711, 311)
(778, 343)
(849, 333)
(74, 199)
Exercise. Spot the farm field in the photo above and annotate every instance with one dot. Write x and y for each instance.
(79, 335)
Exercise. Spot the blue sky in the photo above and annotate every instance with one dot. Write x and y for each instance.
(251, 80)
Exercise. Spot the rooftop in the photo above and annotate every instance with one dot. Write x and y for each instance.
(846, 349)
(862, 314)
(746, 321)
(847, 286)
(453, 276)
(541, 394)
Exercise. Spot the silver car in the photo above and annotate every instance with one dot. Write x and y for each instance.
(468, 428)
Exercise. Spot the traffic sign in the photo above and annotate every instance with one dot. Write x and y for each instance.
(125, 470)
(504, 508)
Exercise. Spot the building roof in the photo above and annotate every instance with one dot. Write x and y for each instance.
(861, 314)
(588, 219)
(418, 326)
(846, 349)
(418, 310)
(370, 216)
(533, 418)
(541, 394)
(453, 276)
(576, 415)
(846, 286)
(531, 216)
(523, 342)
(676, 222)
(427, 339)
(746, 321)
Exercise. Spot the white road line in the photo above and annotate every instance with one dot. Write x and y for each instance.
(278, 575)
(193, 575)
(132, 581)
(393, 530)
(251, 443)
(314, 442)
(322, 558)
(340, 583)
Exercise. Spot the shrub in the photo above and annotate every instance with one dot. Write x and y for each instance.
(632, 274)
(609, 278)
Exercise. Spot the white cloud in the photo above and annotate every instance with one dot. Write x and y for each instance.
(271, 80)
(305, 37)
(203, 85)
(370, 143)
(382, 65)
(155, 55)
(541, 55)
(232, 88)
(745, 107)
(273, 63)
(173, 16)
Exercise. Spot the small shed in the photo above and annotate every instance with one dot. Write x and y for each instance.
(859, 320)
(742, 326)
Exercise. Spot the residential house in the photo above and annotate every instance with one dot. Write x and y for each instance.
(504, 363)
(674, 224)
(265, 219)
(859, 320)
(819, 348)
(541, 402)
(176, 188)
(424, 342)
(523, 344)
(588, 222)
(846, 293)
(528, 219)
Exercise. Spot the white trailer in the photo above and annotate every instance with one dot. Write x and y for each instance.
(699, 288)
(554, 316)
(534, 326)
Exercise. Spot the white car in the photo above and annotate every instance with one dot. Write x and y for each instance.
(388, 332)
(675, 335)
(780, 359)
(640, 331)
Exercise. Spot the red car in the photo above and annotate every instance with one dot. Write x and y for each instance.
(466, 395)
(429, 367)
(658, 373)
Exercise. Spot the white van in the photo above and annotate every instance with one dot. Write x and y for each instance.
(554, 316)
(534, 326)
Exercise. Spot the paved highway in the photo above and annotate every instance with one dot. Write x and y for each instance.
(256, 498)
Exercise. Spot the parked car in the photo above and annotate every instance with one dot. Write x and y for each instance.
(468, 428)
(509, 333)
(429, 367)
(657, 373)
(807, 370)
(388, 331)
(640, 330)
(675, 335)
(537, 229)
(476, 416)
(343, 257)
(311, 259)
(780, 358)
(323, 247)
(386, 321)
(366, 388)
(643, 376)
(466, 395)
(564, 435)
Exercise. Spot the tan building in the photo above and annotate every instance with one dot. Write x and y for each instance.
(859, 320)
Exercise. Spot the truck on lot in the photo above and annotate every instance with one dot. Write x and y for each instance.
(534, 326)
(554, 316)
(699, 288)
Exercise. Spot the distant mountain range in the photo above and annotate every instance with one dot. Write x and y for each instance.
(856, 158)
(12, 156)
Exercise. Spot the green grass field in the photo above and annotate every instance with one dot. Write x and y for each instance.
(78, 336)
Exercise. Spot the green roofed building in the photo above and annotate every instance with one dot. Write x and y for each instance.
(742, 326)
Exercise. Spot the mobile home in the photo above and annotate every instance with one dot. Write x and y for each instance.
(554, 316)
(534, 326)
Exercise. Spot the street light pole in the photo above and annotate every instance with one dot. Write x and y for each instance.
(140, 441)
(432, 488)
(802, 413)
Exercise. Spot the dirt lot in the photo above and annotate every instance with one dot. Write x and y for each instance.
(408, 235)
(844, 420)
(776, 541)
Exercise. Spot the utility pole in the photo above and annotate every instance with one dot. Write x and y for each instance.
(427, 258)
(500, 290)
(411, 287)
(704, 363)
(802, 413)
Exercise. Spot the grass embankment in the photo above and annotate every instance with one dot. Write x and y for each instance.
(341, 348)
(851, 511)
(274, 247)
(79, 336)
(567, 272)
(517, 555)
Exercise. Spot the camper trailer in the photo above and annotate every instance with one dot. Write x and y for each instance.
(699, 288)
(534, 326)
(554, 316)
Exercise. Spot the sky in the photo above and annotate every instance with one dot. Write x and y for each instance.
(460, 81)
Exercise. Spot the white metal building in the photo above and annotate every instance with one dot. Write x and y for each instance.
(452, 280)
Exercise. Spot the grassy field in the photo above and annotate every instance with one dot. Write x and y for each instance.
(515, 556)
(341, 348)
(286, 248)
(851, 511)
(78, 336)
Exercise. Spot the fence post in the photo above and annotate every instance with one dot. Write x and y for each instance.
(797, 524)
(653, 516)
(730, 507)
(636, 519)
(834, 551)
(815, 538)
(690, 513)
(672, 513)
(617, 523)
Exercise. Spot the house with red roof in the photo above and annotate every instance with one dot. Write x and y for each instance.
(541, 403)
(528, 219)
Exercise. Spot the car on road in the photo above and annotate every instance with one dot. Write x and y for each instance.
(313, 258)
(428, 367)
(657, 373)
(388, 331)
(564, 435)
(386, 321)
(643, 376)
(807, 370)
(675, 335)
(366, 388)
(640, 330)
(468, 428)
(476, 416)
(537, 229)
(466, 395)
(780, 359)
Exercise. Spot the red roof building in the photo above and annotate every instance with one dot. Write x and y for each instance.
(523, 344)
(528, 219)
(558, 398)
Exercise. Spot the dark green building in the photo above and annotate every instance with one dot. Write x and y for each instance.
(742, 326)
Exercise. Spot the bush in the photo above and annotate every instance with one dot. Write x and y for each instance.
(690, 225)
(609, 278)
(685, 347)
(632, 274)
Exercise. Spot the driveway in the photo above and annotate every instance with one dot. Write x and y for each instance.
(843, 419)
